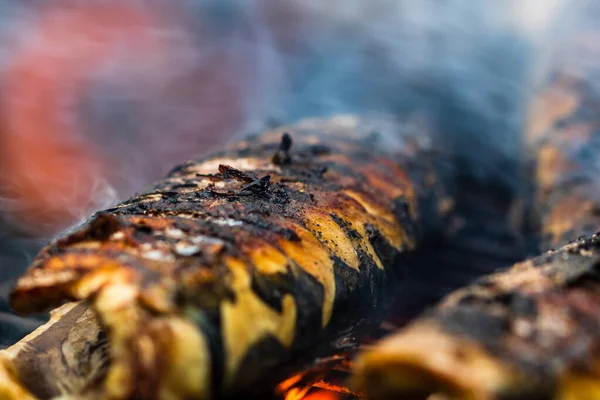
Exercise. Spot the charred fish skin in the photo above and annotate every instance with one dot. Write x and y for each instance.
(530, 332)
(231, 267)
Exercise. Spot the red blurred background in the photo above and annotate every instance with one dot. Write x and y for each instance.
(101, 97)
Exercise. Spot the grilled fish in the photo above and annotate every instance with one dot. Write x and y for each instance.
(221, 275)
(531, 332)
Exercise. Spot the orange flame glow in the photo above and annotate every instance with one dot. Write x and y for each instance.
(321, 395)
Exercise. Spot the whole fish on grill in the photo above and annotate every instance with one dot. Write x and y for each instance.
(222, 276)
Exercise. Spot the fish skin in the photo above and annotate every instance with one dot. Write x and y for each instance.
(530, 332)
(212, 280)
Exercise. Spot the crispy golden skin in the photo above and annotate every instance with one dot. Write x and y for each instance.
(219, 276)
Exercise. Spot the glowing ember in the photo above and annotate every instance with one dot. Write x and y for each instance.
(322, 395)
(326, 380)
(297, 393)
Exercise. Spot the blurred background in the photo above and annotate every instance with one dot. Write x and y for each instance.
(98, 98)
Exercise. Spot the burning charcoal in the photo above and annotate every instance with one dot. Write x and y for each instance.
(200, 295)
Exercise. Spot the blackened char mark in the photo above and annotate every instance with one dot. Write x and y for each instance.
(265, 355)
(401, 211)
(102, 226)
(229, 172)
(387, 253)
(258, 187)
(282, 155)
(358, 294)
(348, 304)
(376, 281)
(309, 295)
(184, 185)
(271, 288)
(346, 227)
(210, 326)
(374, 278)
(99, 228)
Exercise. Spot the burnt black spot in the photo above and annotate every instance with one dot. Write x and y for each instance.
(286, 142)
(309, 295)
(347, 287)
(168, 194)
(184, 185)
(387, 253)
(258, 186)
(264, 355)
(401, 211)
(271, 288)
(102, 226)
(355, 294)
(229, 172)
(210, 325)
(346, 227)
(282, 155)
